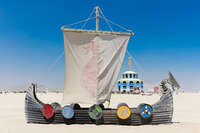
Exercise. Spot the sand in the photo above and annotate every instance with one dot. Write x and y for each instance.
(186, 117)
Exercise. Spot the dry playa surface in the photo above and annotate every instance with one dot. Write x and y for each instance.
(186, 117)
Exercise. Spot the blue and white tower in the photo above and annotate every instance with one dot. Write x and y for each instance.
(130, 82)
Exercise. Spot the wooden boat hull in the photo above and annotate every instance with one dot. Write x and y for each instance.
(162, 113)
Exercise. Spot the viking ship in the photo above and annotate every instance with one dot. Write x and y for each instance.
(93, 59)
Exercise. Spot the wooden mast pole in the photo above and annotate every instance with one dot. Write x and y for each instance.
(97, 18)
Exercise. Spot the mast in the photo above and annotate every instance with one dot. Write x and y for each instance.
(97, 18)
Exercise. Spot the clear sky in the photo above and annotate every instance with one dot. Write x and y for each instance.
(167, 38)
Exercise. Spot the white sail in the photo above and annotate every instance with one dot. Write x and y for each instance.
(93, 62)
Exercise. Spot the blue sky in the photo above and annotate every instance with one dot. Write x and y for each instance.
(167, 38)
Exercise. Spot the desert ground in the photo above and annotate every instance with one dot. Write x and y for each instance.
(186, 117)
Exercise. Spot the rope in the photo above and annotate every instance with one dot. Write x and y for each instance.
(80, 22)
(118, 25)
(105, 20)
(51, 66)
(87, 19)
(136, 63)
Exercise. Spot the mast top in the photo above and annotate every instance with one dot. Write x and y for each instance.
(99, 14)
(96, 8)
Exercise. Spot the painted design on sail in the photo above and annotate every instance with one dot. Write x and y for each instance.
(93, 75)
(90, 70)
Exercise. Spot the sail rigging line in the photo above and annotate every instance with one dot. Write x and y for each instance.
(105, 20)
(101, 15)
(136, 63)
(78, 22)
(118, 25)
(61, 55)
(51, 67)
(87, 19)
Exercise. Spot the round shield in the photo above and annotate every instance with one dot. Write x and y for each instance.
(47, 111)
(95, 112)
(123, 112)
(146, 111)
(67, 112)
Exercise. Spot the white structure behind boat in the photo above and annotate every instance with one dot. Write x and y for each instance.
(130, 83)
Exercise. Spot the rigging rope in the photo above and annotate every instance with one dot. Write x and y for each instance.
(87, 19)
(51, 66)
(118, 25)
(79, 22)
(136, 63)
(105, 20)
